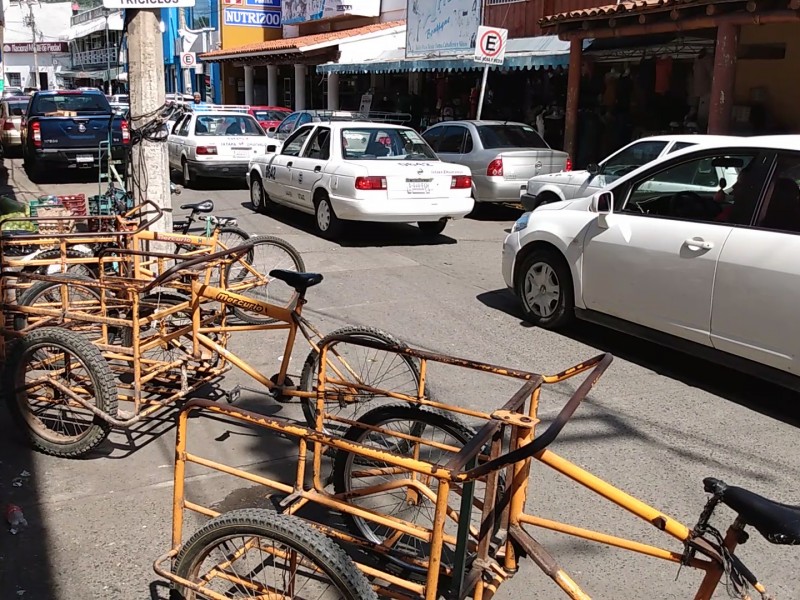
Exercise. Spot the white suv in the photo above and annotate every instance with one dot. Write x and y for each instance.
(699, 247)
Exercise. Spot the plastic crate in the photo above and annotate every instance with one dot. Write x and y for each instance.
(75, 204)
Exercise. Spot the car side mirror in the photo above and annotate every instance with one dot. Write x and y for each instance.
(272, 149)
(593, 169)
(603, 203)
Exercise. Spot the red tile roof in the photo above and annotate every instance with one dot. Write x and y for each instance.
(298, 43)
(634, 7)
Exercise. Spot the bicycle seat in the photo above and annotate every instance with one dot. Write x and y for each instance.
(778, 523)
(299, 281)
(203, 207)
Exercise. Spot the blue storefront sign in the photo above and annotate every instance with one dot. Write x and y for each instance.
(264, 3)
(242, 17)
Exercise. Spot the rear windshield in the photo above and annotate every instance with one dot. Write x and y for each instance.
(270, 115)
(17, 109)
(227, 125)
(376, 143)
(79, 103)
(510, 136)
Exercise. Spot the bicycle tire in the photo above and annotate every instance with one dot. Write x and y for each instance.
(308, 376)
(75, 270)
(103, 382)
(238, 275)
(290, 531)
(343, 463)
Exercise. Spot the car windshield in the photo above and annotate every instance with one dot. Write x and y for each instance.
(377, 143)
(78, 103)
(631, 158)
(227, 125)
(510, 136)
(17, 109)
(270, 115)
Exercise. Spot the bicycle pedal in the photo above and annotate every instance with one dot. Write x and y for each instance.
(233, 396)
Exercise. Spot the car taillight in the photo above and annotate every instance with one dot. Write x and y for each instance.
(36, 132)
(126, 134)
(8, 126)
(568, 166)
(495, 168)
(206, 150)
(460, 182)
(370, 183)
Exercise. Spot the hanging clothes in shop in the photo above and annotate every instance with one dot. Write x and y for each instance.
(611, 81)
(663, 75)
(625, 90)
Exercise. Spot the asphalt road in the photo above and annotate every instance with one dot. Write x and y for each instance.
(656, 425)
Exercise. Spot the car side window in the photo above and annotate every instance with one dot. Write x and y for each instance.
(294, 143)
(287, 125)
(177, 126)
(631, 158)
(320, 145)
(303, 119)
(185, 127)
(680, 146)
(781, 210)
(453, 139)
(433, 136)
(719, 187)
(468, 145)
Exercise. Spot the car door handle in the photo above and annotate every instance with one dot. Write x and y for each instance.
(699, 243)
(289, 164)
(317, 169)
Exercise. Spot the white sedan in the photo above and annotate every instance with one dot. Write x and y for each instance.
(361, 171)
(215, 144)
(566, 185)
(678, 254)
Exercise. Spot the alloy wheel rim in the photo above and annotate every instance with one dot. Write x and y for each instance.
(323, 215)
(542, 289)
(255, 194)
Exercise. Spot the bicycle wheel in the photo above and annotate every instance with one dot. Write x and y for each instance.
(259, 553)
(230, 237)
(249, 276)
(349, 475)
(39, 366)
(375, 368)
(76, 270)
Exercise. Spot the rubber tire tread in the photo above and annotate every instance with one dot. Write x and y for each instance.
(311, 365)
(327, 555)
(375, 417)
(432, 228)
(105, 385)
(565, 312)
(37, 289)
(274, 240)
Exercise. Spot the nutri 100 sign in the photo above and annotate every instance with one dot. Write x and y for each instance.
(148, 3)
(242, 17)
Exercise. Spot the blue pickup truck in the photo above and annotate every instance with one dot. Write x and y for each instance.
(65, 128)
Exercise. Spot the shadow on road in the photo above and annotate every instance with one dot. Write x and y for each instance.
(495, 212)
(756, 394)
(361, 234)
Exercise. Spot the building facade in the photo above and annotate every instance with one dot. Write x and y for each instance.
(97, 50)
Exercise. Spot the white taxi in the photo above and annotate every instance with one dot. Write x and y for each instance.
(213, 143)
(361, 171)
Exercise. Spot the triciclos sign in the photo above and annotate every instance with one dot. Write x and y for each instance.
(188, 60)
(133, 4)
(490, 45)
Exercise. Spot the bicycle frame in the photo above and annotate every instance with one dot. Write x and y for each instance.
(494, 563)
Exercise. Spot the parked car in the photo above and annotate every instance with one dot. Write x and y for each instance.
(676, 254)
(302, 117)
(214, 144)
(554, 187)
(361, 171)
(65, 129)
(12, 110)
(13, 91)
(269, 117)
(501, 155)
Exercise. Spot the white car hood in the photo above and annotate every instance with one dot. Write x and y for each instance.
(578, 204)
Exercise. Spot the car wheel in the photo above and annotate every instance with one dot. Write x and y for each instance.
(328, 224)
(34, 170)
(546, 198)
(256, 193)
(544, 287)
(187, 175)
(432, 228)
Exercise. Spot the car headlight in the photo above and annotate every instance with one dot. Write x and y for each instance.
(521, 223)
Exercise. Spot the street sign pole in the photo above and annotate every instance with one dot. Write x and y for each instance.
(490, 49)
(483, 91)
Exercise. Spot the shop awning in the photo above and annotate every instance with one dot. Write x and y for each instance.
(116, 73)
(521, 53)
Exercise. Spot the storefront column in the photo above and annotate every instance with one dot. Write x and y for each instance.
(721, 104)
(573, 96)
(299, 87)
(248, 84)
(333, 91)
(272, 85)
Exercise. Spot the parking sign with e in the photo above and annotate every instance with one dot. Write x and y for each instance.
(490, 45)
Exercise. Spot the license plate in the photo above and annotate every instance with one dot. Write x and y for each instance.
(241, 153)
(85, 158)
(419, 187)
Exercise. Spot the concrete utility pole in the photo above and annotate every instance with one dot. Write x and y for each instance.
(146, 82)
(187, 76)
(31, 22)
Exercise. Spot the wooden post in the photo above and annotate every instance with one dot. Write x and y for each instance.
(721, 102)
(573, 95)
